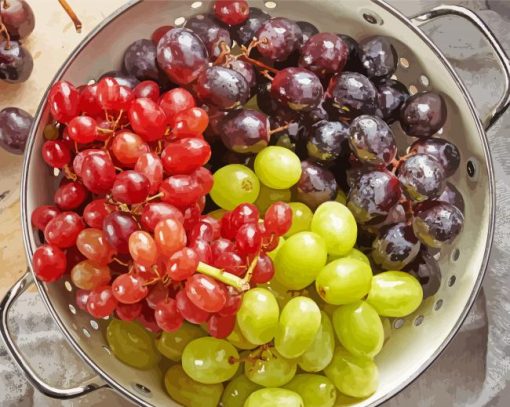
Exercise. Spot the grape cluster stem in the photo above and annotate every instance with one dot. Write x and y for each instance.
(72, 15)
(3, 30)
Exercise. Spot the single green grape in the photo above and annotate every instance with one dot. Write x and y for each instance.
(353, 254)
(359, 329)
(237, 339)
(337, 225)
(341, 197)
(132, 344)
(277, 167)
(320, 352)
(315, 390)
(301, 218)
(266, 367)
(210, 360)
(268, 196)
(188, 392)
(258, 316)
(344, 281)
(354, 376)
(172, 344)
(299, 323)
(274, 252)
(395, 294)
(217, 213)
(272, 397)
(234, 184)
(300, 259)
(237, 391)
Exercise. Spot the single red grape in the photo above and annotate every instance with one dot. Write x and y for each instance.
(117, 227)
(215, 224)
(155, 212)
(190, 311)
(204, 178)
(147, 119)
(181, 190)
(71, 195)
(80, 157)
(130, 187)
(191, 122)
(49, 263)
(221, 326)
(63, 230)
(150, 165)
(174, 102)
(128, 312)
(89, 103)
(206, 293)
(202, 231)
(64, 101)
(231, 12)
(129, 289)
(101, 302)
(170, 236)
(92, 244)
(220, 246)
(127, 147)
(278, 218)
(98, 174)
(143, 249)
(203, 250)
(185, 155)
(248, 239)
(168, 316)
(147, 89)
(243, 214)
(263, 271)
(231, 262)
(228, 231)
(42, 215)
(56, 153)
(95, 212)
(112, 96)
(182, 264)
(82, 129)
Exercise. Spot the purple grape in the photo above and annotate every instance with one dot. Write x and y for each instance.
(271, 107)
(437, 223)
(326, 139)
(222, 87)
(316, 185)
(246, 70)
(15, 127)
(140, 60)
(392, 95)
(182, 55)
(422, 177)
(452, 196)
(354, 54)
(18, 18)
(279, 38)
(442, 150)
(395, 247)
(211, 32)
(307, 29)
(378, 57)
(297, 89)
(121, 78)
(324, 54)
(372, 140)
(423, 114)
(245, 32)
(16, 62)
(117, 227)
(373, 195)
(426, 269)
(245, 131)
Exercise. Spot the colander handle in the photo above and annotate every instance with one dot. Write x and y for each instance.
(504, 61)
(50, 391)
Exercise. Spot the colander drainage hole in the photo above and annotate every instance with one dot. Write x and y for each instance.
(413, 90)
(472, 169)
(94, 325)
(455, 254)
(196, 4)
(451, 281)
(372, 18)
(140, 388)
(68, 286)
(404, 63)
(179, 21)
(419, 320)
(270, 4)
(424, 80)
(107, 350)
(398, 323)
(72, 309)
(438, 305)
(86, 332)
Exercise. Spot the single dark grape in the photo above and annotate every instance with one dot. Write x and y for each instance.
(211, 32)
(354, 55)
(279, 37)
(121, 78)
(297, 89)
(140, 60)
(372, 140)
(15, 126)
(326, 139)
(245, 131)
(452, 196)
(16, 62)
(373, 195)
(245, 32)
(222, 87)
(423, 114)
(392, 95)
(246, 70)
(437, 223)
(379, 57)
(316, 185)
(442, 150)
(395, 247)
(422, 177)
(324, 54)
(18, 18)
(307, 29)
(271, 107)
(426, 269)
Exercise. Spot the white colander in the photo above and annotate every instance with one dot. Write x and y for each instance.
(416, 340)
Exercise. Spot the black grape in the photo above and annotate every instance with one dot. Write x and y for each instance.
(422, 177)
(15, 126)
(423, 114)
(395, 247)
(16, 62)
(140, 60)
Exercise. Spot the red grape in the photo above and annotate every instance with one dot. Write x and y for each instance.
(150, 165)
(221, 326)
(128, 147)
(203, 250)
(167, 315)
(220, 246)
(215, 224)
(80, 157)
(190, 311)
(159, 32)
(202, 231)
(92, 244)
(42, 215)
(88, 275)
(248, 239)
(263, 271)
(147, 89)
(64, 101)
(63, 230)
(279, 37)
(101, 302)
(117, 227)
(170, 236)
(191, 122)
(185, 155)
(181, 190)
(157, 293)
(112, 96)
(98, 174)
(278, 218)
(130, 187)
(174, 102)
(128, 312)
(71, 195)
(231, 262)
(182, 264)
(231, 12)
(147, 119)
(81, 298)
(244, 213)
(206, 293)
(129, 289)
(205, 179)
(228, 231)
(155, 212)
(49, 263)
(95, 212)
(82, 129)
(142, 248)
(89, 104)
(56, 153)
(234, 301)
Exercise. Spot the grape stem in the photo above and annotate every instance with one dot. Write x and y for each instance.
(246, 51)
(3, 30)
(278, 129)
(223, 276)
(72, 15)
(225, 52)
(6, 5)
(249, 273)
(266, 74)
(69, 174)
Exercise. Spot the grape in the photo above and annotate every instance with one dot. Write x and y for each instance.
(63, 101)
(442, 150)
(301, 218)
(248, 239)
(56, 153)
(147, 89)
(278, 37)
(426, 270)
(237, 391)
(244, 33)
(16, 62)
(353, 94)
(142, 248)
(206, 293)
(395, 247)
(190, 311)
(297, 89)
(182, 55)
(354, 56)
(15, 127)
(372, 140)
(88, 275)
(128, 312)
(18, 18)
(392, 95)
(437, 223)
(278, 219)
(324, 54)
(128, 147)
(121, 79)
(422, 177)
(147, 119)
(325, 140)
(234, 184)
(245, 131)
(452, 196)
(112, 96)
(300, 259)
(316, 185)
(182, 190)
(359, 329)
(269, 369)
(423, 114)
(237, 339)
(320, 352)
(92, 244)
(175, 102)
(277, 167)
(209, 360)
(63, 230)
(101, 302)
(185, 155)
(315, 390)
(222, 87)
(300, 321)
(170, 236)
(98, 174)
(210, 32)
(167, 316)
(271, 397)
(140, 60)
(395, 294)
(379, 57)
(129, 288)
(49, 263)
(354, 376)
(172, 344)
(232, 12)
(373, 196)
(130, 187)
(182, 264)
(221, 326)
(117, 227)
(268, 196)
(155, 212)
(246, 70)
(42, 215)
(258, 316)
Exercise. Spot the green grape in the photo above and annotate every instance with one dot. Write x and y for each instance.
(301, 218)
(300, 259)
(237, 339)
(272, 397)
(258, 316)
(395, 294)
(387, 328)
(172, 344)
(354, 376)
(359, 329)
(320, 352)
(299, 323)
(336, 224)
(237, 391)
(233, 185)
(341, 197)
(188, 392)
(277, 167)
(217, 213)
(268, 196)
(315, 390)
(209, 360)
(344, 281)
(353, 254)
(268, 368)
(275, 251)
(132, 344)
